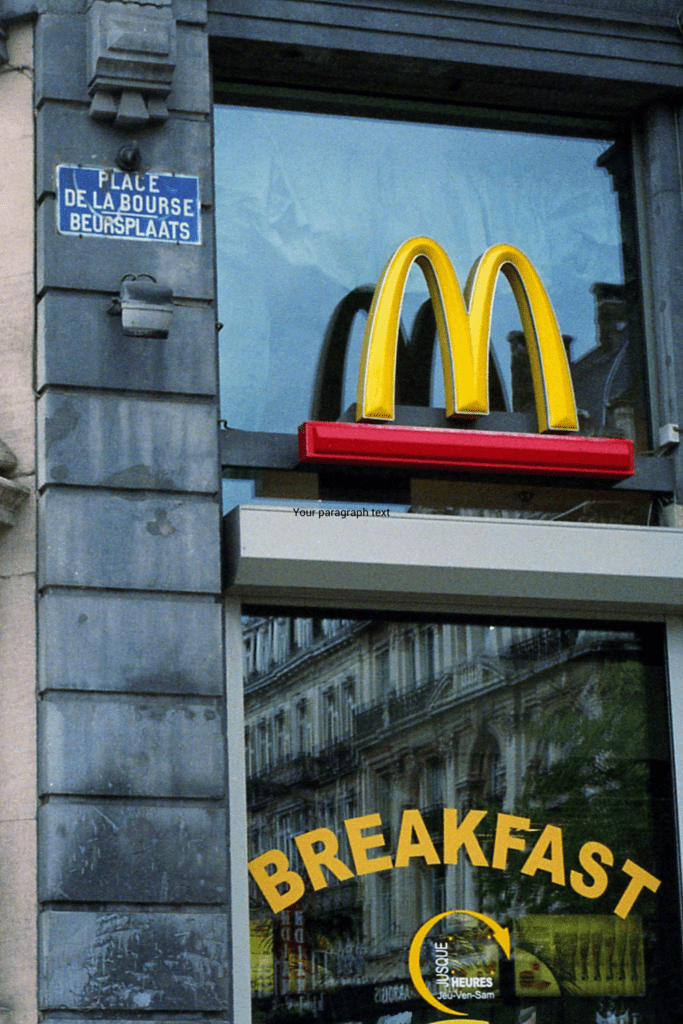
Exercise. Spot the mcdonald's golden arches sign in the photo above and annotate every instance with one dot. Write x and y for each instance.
(463, 328)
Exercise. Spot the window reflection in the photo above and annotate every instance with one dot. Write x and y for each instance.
(310, 207)
(545, 746)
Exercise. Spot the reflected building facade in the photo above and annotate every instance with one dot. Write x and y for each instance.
(348, 718)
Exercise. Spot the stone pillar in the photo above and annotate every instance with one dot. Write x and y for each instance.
(663, 222)
(132, 829)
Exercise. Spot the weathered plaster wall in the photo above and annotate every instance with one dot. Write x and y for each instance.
(17, 543)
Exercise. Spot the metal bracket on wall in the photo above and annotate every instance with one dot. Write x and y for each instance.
(145, 307)
(131, 60)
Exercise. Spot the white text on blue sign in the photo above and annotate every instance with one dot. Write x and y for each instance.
(101, 203)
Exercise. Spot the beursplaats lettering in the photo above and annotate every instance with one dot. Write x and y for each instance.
(129, 227)
(319, 848)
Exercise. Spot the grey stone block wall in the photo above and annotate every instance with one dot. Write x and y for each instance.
(134, 961)
(68, 322)
(132, 823)
(127, 642)
(92, 851)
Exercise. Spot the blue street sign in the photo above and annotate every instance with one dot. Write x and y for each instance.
(97, 202)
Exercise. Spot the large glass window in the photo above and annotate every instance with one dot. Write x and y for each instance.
(494, 836)
(311, 206)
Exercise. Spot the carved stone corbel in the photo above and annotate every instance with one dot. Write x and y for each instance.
(12, 494)
(12, 497)
(131, 59)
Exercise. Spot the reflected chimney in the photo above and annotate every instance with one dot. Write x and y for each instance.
(520, 370)
(611, 315)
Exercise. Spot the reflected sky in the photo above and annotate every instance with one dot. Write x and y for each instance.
(310, 206)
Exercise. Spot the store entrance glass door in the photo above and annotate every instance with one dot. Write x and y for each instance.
(459, 820)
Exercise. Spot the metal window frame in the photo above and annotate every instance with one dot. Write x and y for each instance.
(658, 473)
(469, 565)
(438, 564)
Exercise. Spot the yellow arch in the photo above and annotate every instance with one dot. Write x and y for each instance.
(463, 333)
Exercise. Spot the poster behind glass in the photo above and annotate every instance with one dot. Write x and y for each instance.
(459, 818)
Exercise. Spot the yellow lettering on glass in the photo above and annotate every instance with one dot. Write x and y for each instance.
(326, 856)
(455, 836)
(412, 824)
(464, 334)
(504, 841)
(640, 879)
(547, 855)
(318, 849)
(269, 881)
(360, 844)
(591, 858)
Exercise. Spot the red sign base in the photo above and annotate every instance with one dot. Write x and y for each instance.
(482, 451)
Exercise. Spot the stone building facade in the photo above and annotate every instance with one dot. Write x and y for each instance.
(123, 885)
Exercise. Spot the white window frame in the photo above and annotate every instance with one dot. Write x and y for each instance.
(437, 564)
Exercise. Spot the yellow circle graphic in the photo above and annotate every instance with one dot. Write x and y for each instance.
(501, 935)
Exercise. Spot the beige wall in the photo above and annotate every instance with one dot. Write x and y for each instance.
(17, 543)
